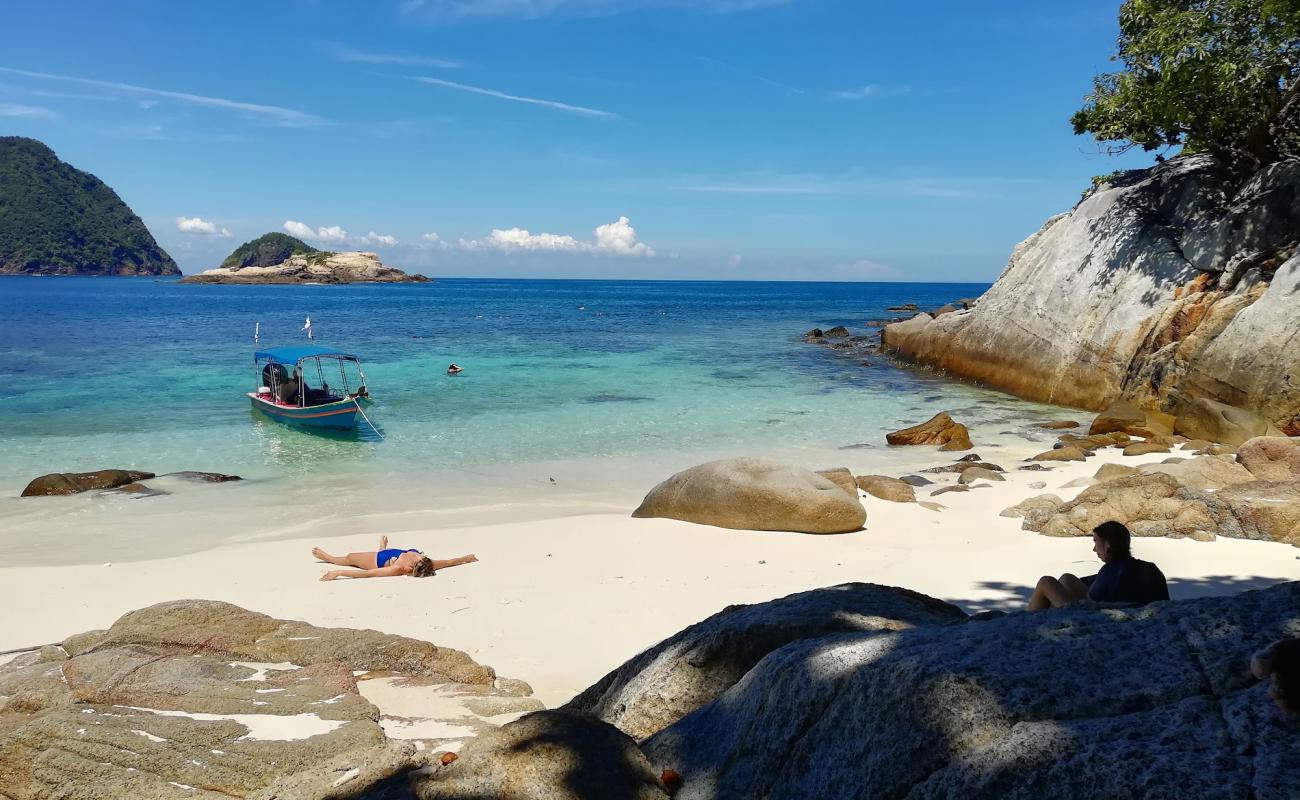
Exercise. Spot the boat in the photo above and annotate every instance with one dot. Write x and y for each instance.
(285, 392)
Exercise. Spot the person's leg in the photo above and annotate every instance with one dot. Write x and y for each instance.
(1054, 593)
(358, 560)
(1075, 588)
(454, 562)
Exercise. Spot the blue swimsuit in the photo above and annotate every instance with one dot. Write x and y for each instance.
(383, 557)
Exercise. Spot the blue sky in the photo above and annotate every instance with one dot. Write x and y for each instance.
(717, 139)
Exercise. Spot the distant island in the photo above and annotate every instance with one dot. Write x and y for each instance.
(280, 258)
(267, 250)
(57, 220)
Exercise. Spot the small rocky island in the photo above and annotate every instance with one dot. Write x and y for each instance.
(279, 258)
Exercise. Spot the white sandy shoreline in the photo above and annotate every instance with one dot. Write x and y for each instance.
(561, 601)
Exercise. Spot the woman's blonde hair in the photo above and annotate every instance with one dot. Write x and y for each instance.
(423, 568)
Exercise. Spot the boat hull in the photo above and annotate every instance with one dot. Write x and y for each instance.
(339, 414)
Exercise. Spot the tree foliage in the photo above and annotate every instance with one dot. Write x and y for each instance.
(1214, 76)
(267, 250)
(58, 220)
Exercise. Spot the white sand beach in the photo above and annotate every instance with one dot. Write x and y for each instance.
(559, 602)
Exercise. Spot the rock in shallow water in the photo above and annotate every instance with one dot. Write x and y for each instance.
(939, 429)
(755, 494)
(62, 483)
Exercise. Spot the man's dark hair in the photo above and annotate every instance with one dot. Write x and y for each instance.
(1116, 536)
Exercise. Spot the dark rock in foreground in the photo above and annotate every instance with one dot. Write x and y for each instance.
(668, 681)
(1144, 702)
(548, 755)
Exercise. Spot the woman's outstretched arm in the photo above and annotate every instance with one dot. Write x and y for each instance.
(382, 572)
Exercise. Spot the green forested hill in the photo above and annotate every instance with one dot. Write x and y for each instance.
(266, 250)
(57, 220)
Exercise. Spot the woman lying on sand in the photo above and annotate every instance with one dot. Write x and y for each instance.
(386, 562)
(1122, 578)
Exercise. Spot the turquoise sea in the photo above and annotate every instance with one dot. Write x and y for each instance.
(576, 395)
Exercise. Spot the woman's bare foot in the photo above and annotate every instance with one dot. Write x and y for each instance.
(471, 558)
(329, 576)
(383, 542)
(320, 554)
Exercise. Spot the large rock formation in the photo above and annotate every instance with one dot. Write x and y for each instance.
(1155, 701)
(57, 220)
(204, 699)
(756, 494)
(684, 672)
(1157, 504)
(62, 483)
(1164, 286)
(315, 267)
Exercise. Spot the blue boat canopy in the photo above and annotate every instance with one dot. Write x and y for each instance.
(294, 354)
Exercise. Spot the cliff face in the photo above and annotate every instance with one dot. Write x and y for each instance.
(57, 220)
(1165, 286)
(318, 267)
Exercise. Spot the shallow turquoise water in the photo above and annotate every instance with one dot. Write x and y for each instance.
(591, 377)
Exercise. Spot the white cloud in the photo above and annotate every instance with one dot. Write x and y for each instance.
(299, 229)
(583, 110)
(620, 237)
(378, 238)
(613, 238)
(26, 112)
(871, 90)
(284, 116)
(432, 241)
(330, 234)
(199, 227)
(365, 57)
(333, 233)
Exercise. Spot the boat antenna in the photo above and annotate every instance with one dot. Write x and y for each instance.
(307, 327)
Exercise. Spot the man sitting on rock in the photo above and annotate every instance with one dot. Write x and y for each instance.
(1122, 578)
(1281, 661)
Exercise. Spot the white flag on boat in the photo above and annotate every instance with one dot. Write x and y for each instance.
(307, 327)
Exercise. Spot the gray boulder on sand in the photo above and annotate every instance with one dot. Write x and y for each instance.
(684, 672)
(1155, 701)
(755, 494)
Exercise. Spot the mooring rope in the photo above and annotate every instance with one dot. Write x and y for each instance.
(367, 419)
